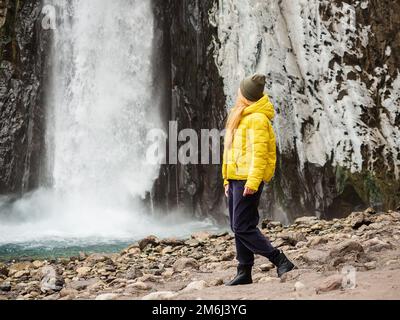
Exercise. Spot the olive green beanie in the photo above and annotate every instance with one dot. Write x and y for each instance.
(252, 88)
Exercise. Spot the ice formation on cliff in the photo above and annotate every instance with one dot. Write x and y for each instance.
(320, 97)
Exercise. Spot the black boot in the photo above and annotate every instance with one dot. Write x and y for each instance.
(283, 264)
(243, 276)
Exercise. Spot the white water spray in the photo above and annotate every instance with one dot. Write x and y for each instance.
(103, 101)
(101, 105)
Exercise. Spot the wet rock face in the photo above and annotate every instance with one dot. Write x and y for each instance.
(195, 100)
(333, 76)
(23, 53)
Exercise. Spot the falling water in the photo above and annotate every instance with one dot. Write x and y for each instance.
(103, 100)
(101, 104)
(102, 107)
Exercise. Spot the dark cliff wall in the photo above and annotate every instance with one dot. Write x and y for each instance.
(195, 100)
(23, 47)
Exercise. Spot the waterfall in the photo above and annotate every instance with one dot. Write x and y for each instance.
(101, 105)
(100, 108)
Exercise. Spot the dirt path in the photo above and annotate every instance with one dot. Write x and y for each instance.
(301, 284)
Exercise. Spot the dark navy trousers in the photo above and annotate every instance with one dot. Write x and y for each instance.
(244, 219)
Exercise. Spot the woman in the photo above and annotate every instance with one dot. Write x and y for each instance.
(249, 162)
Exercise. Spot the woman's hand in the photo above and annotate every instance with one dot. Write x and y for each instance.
(248, 192)
(227, 190)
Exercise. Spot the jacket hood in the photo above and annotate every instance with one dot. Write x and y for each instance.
(261, 106)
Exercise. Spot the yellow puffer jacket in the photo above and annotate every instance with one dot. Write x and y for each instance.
(252, 156)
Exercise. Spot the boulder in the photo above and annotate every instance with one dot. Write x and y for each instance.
(315, 257)
(169, 272)
(134, 251)
(279, 243)
(348, 246)
(52, 297)
(376, 245)
(5, 286)
(370, 211)
(269, 280)
(185, 263)
(216, 282)
(221, 235)
(370, 265)
(173, 242)
(316, 241)
(133, 273)
(140, 286)
(16, 267)
(71, 293)
(20, 274)
(107, 296)
(308, 220)
(82, 284)
(317, 227)
(150, 278)
(201, 236)
(358, 219)
(331, 283)
(82, 256)
(37, 264)
(161, 295)
(292, 238)
(228, 256)
(148, 241)
(299, 286)
(96, 258)
(349, 251)
(193, 243)
(3, 270)
(395, 214)
(379, 225)
(392, 263)
(301, 244)
(83, 271)
(195, 286)
(167, 250)
(268, 224)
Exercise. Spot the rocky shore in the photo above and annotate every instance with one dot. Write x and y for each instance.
(351, 258)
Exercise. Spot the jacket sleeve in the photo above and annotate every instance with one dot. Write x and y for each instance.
(258, 140)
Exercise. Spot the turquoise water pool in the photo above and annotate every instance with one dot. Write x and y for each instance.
(58, 247)
(53, 249)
